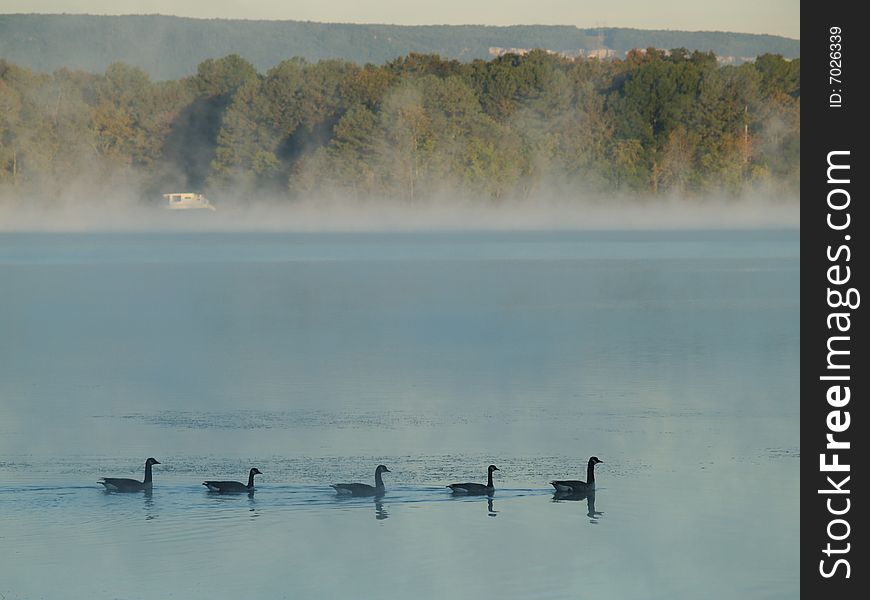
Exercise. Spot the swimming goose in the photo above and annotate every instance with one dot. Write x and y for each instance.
(229, 487)
(363, 489)
(577, 487)
(476, 488)
(117, 484)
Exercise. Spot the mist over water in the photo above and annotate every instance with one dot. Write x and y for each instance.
(117, 212)
(218, 345)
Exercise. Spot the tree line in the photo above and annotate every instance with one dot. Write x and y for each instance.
(658, 122)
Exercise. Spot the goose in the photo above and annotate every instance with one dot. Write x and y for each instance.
(363, 489)
(577, 487)
(229, 487)
(476, 488)
(118, 484)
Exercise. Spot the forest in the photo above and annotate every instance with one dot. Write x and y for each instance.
(657, 123)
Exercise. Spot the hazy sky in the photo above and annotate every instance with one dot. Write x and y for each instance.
(778, 17)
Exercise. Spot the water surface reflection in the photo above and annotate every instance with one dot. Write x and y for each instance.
(577, 496)
(148, 505)
(380, 512)
(317, 356)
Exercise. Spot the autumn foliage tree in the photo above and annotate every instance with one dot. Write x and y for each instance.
(657, 122)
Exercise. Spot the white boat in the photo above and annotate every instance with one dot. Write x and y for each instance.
(186, 201)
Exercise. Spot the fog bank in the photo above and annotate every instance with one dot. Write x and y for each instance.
(557, 213)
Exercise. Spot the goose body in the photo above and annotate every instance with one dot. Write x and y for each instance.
(120, 484)
(476, 488)
(579, 487)
(363, 489)
(231, 487)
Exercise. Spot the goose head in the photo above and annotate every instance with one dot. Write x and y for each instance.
(382, 469)
(595, 460)
(256, 471)
(492, 468)
(152, 461)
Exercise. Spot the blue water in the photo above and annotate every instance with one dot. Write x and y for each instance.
(672, 356)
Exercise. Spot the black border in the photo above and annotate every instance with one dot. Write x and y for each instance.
(827, 129)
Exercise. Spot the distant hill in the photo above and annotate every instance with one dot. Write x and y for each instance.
(171, 47)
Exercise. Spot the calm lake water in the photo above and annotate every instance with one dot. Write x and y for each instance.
(672, 356)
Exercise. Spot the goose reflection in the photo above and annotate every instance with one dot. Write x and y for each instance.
(574, 497)
(252, 506)
(220, 498)
(148, 506)
(490, 496)
(380, 512)
(378, 502)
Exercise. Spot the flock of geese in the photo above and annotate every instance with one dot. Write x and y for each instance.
(575, 487)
